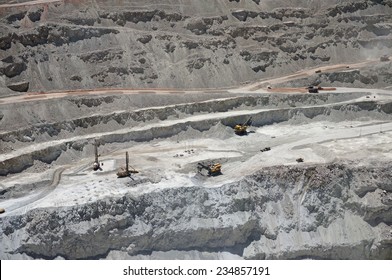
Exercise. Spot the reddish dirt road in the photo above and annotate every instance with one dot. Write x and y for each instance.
(257, 86)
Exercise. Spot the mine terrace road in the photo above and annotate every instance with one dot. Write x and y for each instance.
(56, 177)
(260, 86)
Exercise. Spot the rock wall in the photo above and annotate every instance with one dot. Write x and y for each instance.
(92, 44)
(323, 211)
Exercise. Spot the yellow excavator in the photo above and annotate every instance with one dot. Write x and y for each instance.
(125, 172)
(240, 129)
(212, 169)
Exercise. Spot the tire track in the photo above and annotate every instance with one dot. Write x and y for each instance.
(56, 177)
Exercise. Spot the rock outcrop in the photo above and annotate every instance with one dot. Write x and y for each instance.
(91, 39)
(280, 212)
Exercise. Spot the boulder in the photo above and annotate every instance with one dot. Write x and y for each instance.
(145, 39)
(240, 15)
(14, 69)
(21, 86)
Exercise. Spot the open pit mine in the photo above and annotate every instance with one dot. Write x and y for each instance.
(227, 129)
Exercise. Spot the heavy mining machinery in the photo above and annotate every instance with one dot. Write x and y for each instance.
(313, 89)
(299, 160)
(384, 58)
(96, 164)
(240, 129)
(125, 172)
(212, 169)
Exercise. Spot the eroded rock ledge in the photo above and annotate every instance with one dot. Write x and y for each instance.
(323, 211)
(132, 45)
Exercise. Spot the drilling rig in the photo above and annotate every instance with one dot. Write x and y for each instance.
(125, 172)
(96, 165)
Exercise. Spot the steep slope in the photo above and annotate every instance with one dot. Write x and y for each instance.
(185, 44)
(280, 212)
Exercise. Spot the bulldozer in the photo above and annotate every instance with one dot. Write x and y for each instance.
(125, 172)
(96, 164)
(240, 129)
(212, 169)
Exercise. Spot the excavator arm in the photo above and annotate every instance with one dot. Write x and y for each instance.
(248, 122)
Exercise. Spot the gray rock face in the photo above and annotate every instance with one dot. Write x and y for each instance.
(241, 15)
(13, 69)
(377, 76)
(281, 212)
(129, 45)
(20, 87)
